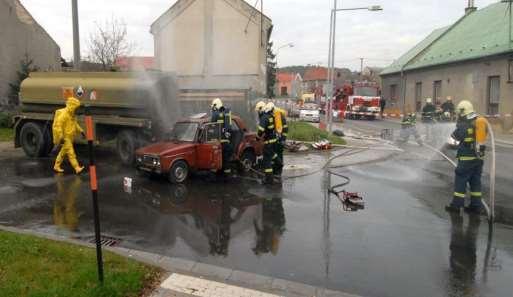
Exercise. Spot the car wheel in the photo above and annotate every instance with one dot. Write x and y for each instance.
(126, 146)
(33, 140)
(178, 172)
(247, 161)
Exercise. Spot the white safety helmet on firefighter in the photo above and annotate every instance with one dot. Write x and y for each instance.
(465, 108)
(216, 104)
(429, 100)
(269, 107)
(260, 106)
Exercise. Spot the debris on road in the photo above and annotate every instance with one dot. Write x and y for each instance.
(295, 146)
(322, 145)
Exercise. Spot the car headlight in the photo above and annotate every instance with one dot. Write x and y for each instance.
(138, 159)
(156, 162)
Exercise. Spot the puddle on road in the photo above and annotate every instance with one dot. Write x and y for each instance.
(281, 231)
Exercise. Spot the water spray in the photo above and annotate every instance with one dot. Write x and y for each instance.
(490, 210)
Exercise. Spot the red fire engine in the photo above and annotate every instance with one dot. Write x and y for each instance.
(358, 101)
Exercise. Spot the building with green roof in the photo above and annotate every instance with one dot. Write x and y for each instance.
(469, 60)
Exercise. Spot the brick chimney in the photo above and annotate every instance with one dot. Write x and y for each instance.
(471, 7)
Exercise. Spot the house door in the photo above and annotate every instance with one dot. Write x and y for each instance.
(209, 151)
(283, 91)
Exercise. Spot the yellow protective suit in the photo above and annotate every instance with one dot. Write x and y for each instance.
(65, 128)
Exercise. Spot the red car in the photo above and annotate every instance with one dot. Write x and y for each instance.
(193, 145)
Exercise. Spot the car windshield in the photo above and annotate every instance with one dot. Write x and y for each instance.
(184, 132)
(366, 91)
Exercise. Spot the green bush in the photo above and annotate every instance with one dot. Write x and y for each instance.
(302, 131)
(5, 119)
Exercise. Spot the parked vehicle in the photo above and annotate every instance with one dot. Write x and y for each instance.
(310, 115)
(132, 109)
(194, 145)
(363, 103)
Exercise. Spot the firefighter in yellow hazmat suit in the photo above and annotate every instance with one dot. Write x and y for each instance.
(65, 128)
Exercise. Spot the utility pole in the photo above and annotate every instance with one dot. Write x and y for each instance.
(361, 68)
(76, 35)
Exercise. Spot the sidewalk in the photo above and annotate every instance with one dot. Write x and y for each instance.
(186, 278)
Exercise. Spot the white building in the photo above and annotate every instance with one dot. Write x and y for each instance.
(213, 44)
(21, 35)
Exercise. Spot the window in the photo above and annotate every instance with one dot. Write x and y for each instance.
(437, 91)
(184, 132)
(494, 94)
(393, 92)
(211, 132)
(418, 96)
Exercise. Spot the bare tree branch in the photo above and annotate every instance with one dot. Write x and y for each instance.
(108, 43)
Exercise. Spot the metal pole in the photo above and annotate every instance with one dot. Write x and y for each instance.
(328, 79)
(330, 128)
(361, 68)
(76, 35)
(94, 190)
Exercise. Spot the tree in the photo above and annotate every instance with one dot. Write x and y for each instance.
(108, 43)
(26, 66)
(271, 70)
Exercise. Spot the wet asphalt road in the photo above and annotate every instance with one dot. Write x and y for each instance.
(401, 244)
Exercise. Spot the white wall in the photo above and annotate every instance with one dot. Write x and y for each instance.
(21, 35)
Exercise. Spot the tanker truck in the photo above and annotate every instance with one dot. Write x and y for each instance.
(128, 108)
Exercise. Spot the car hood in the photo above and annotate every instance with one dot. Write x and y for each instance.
(165, 148)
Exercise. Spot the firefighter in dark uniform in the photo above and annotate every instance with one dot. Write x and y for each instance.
(281, 128)
(409, 127)
(471, 133)
(267, 132)
(428, 118)
(223, 117)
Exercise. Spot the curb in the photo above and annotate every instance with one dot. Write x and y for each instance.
(228, 276)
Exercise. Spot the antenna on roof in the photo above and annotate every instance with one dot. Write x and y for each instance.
(471, 7)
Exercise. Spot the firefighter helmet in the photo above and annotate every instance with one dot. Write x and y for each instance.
(465, 108)
(216, 104)
(269, 107)
(260, 106)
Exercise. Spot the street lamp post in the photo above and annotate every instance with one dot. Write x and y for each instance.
(331, 55)
(290, 45)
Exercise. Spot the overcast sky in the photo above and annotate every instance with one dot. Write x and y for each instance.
(379, 37)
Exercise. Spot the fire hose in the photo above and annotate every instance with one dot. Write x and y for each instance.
(490, 210)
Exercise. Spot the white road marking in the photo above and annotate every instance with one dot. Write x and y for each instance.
(205, 288)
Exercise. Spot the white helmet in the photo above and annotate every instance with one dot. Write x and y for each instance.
(260, 106)
(269, 107)
(465, 108)
(429, 100)
(216, 104)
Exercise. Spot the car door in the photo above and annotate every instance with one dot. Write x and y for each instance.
(209, 152)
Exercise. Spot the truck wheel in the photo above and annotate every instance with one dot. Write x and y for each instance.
(33, 140)
(247, 161)
(48, 141)
(178, 172)
(126, 146)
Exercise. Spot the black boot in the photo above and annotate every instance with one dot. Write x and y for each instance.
(268, 179)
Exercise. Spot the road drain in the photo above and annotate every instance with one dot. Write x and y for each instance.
(105, 240)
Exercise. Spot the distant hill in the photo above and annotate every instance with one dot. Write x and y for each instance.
(301, 69)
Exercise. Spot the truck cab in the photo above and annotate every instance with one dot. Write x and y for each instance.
(194, 145)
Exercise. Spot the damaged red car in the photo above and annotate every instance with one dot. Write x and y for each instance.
(194, 145)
